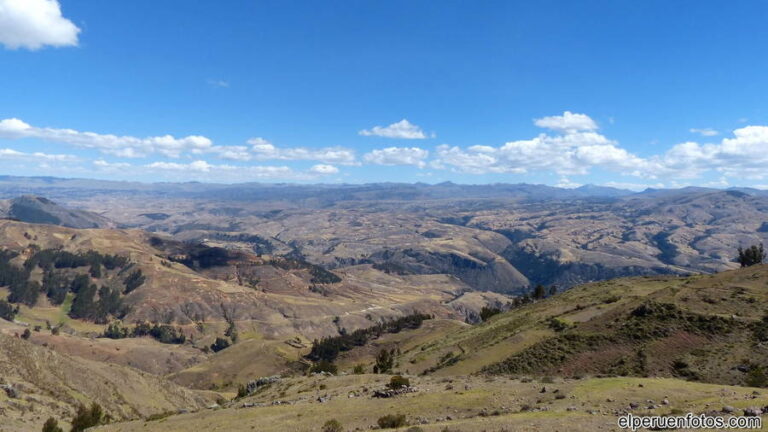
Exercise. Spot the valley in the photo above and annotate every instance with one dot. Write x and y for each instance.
(524, 293)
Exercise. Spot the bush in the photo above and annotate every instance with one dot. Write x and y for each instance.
(397, 382)
(324, 366)
(242, 391)
(87, 417)
(487, 312)
(51, 425)
(26, 334)
(392, 421)
(7, 312)
(220, 344)
(756, 377)
(558, 324)
(359, 369)
(332, 425)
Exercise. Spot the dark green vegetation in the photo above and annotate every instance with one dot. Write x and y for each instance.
(163, 333)
(750, 256)
(97, 281)
(87, 417)
(51, 425)
(329, 348)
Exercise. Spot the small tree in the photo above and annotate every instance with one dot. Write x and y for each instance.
(385, 360)
(487, 312)
(87, 417)
(51, 425)
(539, 292)
(752, 255)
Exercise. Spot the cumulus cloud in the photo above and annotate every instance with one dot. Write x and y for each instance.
(742, 155)
(402, 130)
(573, 152)
(33, 24)
(568, 122)
(707, 132)
(265, 150)
(398, 156)
(122, 146)
(577, 147)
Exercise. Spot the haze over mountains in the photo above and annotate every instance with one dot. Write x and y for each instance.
(501, 238)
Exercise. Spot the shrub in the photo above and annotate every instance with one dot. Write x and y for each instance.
(558, 324)
(359, 369)
(87, 417)
(242, 391)
(51, 425)
(487, 312)
(332, 425)
(324, 366)
(26, 334)
(398, 381)
(7, 312)
(392, 421)
(220, 344)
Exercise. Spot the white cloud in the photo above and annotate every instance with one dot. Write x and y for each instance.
(236, 153)
(102, 164)
(707, 132)
(742, 155)
(402, 129)
(568, 122)
(264, 150)
(398, 156)
(198, 166)
(8, 153)
(206, 171)
(568, 154)
(122, 146)
(324, 169)
(578, 148)
(33, 24)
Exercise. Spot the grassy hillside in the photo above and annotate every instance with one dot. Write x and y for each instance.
(707, 328)
(51, 384)
(467, 404)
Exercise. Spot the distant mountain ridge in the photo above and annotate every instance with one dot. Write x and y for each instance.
(40, 210)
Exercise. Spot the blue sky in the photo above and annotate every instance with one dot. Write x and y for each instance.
(633, 94)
